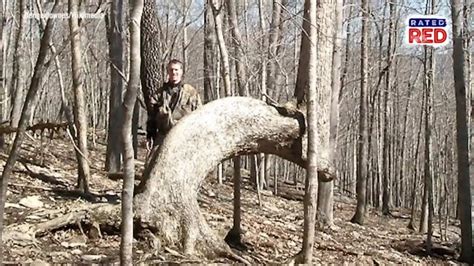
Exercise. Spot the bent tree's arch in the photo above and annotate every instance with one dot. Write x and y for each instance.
(166, 200)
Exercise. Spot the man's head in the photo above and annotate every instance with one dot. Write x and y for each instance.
(175, 71)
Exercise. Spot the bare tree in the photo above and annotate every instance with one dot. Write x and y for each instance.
(217, 7)
(19, 66)
(362, 146)
(209, 47)
(462, 137)
(237, 42)
(79, 97)
(234, 235)
(40, 68)
(325, 214)
(151, 68)
(387, 178)
(115, 36)
(126, 246)
(311, 70)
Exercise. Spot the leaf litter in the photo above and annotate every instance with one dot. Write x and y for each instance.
(272, 232)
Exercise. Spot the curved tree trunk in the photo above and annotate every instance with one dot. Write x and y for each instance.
(166, 201)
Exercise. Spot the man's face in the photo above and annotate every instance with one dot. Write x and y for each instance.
(175, 73)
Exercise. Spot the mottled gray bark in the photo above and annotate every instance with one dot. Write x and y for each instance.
(126, 244)
(312, 70)
(80, 119)
(166, 201)
(325, 214)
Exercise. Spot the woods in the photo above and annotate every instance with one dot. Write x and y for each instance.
(323, 95)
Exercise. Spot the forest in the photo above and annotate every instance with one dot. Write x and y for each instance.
(324, 135)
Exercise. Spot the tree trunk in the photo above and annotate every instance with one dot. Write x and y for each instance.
(329, 56)
(234, 235)
(241, 72)
(166, 202)
(274, 33)
(411, 224)
(115, 37)
(150, 70)
(38, 72)
(462, 138)
(184, 43)
(302, 78)
(218, 22)
(79, 98)
(428, 158)
(19, 66)
(3, 56)
(387, 177)
(311, 182)
(263, 91)
(126, 245)
(209, 47)
(362, 145)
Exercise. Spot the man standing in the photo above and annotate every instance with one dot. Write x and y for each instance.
(169, 104)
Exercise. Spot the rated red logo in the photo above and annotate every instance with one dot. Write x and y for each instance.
(427, 30)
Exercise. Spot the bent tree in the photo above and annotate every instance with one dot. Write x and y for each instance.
(166, 200)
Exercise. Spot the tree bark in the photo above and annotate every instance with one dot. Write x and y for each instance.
(313, 69)
(166, 202)
(302, 78)
(209, 47)
(428, 159)
(426, 207)
(325, 214)
(218, 22)
(2, 69)
(115, 37)
(274, 33)
(234, 235)
(150, 70)
(126, 246)
(19, 66)
(79, 98)
(462, 138)
(362, 145)
(387, 177)
(184, 43)
(38, 72)
(237, 42)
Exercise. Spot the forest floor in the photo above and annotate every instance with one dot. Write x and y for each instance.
(42, 188)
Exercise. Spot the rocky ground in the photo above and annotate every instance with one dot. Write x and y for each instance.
(42, 189)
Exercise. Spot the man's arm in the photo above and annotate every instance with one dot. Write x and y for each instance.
(196, 102)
